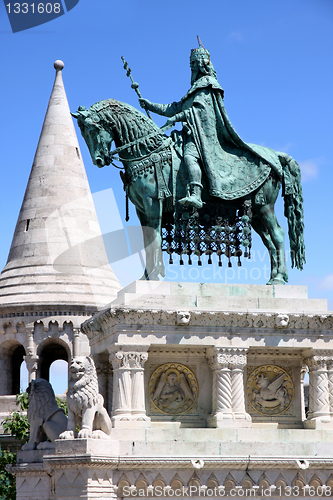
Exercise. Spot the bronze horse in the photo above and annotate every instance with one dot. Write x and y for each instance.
(155, 178)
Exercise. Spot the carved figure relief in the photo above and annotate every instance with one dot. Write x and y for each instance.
(183, 318)
(270, 390)
(173, 389)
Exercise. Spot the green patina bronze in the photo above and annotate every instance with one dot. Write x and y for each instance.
(206, 161)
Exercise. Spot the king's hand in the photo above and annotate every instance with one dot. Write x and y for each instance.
(144, 103)
(169, 123)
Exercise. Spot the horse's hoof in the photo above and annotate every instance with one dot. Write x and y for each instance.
(276, 281)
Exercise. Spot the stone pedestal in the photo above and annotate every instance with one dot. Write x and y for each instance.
(207, 384)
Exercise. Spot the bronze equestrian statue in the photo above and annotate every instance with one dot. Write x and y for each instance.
(207, 162)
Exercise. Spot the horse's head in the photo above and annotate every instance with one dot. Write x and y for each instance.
(97, 138)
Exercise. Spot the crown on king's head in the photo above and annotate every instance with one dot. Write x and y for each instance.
(200, 53)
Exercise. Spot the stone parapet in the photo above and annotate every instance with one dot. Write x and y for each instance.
(94, 470)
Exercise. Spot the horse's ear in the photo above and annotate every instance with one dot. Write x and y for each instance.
(80, 113)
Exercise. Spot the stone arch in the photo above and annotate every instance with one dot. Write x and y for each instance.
(12, 354)
(50, 350)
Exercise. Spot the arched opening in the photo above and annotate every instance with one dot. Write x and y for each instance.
(24, 378)
(59, 376)
(17, 360)
(49, 352)
(11, 355)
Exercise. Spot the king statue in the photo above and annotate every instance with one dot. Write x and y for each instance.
(210, 141)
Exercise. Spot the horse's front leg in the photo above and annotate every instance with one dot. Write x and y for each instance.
(151, 227)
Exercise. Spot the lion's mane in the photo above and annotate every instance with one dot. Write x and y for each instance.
(83, 392)
(41, 399)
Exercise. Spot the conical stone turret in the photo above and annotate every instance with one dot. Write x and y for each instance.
(57, 254)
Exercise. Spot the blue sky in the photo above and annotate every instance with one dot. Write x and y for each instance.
(274, 59)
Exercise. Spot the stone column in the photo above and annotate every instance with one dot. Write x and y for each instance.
(102, 370)
(128, 386)
(304, 369)
(228, 366)
(31, 357)
(330, 384)
(76, 342)
(319, 398)
(110, 390)
(32, 366)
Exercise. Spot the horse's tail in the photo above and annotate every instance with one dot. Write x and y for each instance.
(293, 210)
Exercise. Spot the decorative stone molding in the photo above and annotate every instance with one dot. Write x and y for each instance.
(139, 463)
(228, 387)
(128, 405)
(70, 476)
(110, 318)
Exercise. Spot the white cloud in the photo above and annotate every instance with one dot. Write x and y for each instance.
(236, 36)
(309, 169)
(326, 283)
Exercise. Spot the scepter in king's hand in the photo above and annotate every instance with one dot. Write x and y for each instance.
(134, 85)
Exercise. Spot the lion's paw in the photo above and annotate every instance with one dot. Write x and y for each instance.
(100, 435)
(67, 435)
(85, 434)
(45, 445)
(28, 446)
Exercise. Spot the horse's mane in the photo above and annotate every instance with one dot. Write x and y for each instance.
(130, 124)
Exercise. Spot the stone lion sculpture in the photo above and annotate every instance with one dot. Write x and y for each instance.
(85, 404)
(46, 419)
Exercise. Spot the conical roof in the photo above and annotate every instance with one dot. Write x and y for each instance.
(57, 254)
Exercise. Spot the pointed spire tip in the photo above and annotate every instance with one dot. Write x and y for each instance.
(58, 65)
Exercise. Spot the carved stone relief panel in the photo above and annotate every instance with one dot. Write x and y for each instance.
(270, 390)
(173, 389)
(273, 386)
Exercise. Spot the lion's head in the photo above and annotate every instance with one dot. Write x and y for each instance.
(41, 399)
(82, 384)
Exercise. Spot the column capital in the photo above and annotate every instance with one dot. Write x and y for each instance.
(32, 366)
(227, 357)
(128, 357)
(319, 360)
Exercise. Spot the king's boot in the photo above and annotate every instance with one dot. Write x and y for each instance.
(194, 200)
